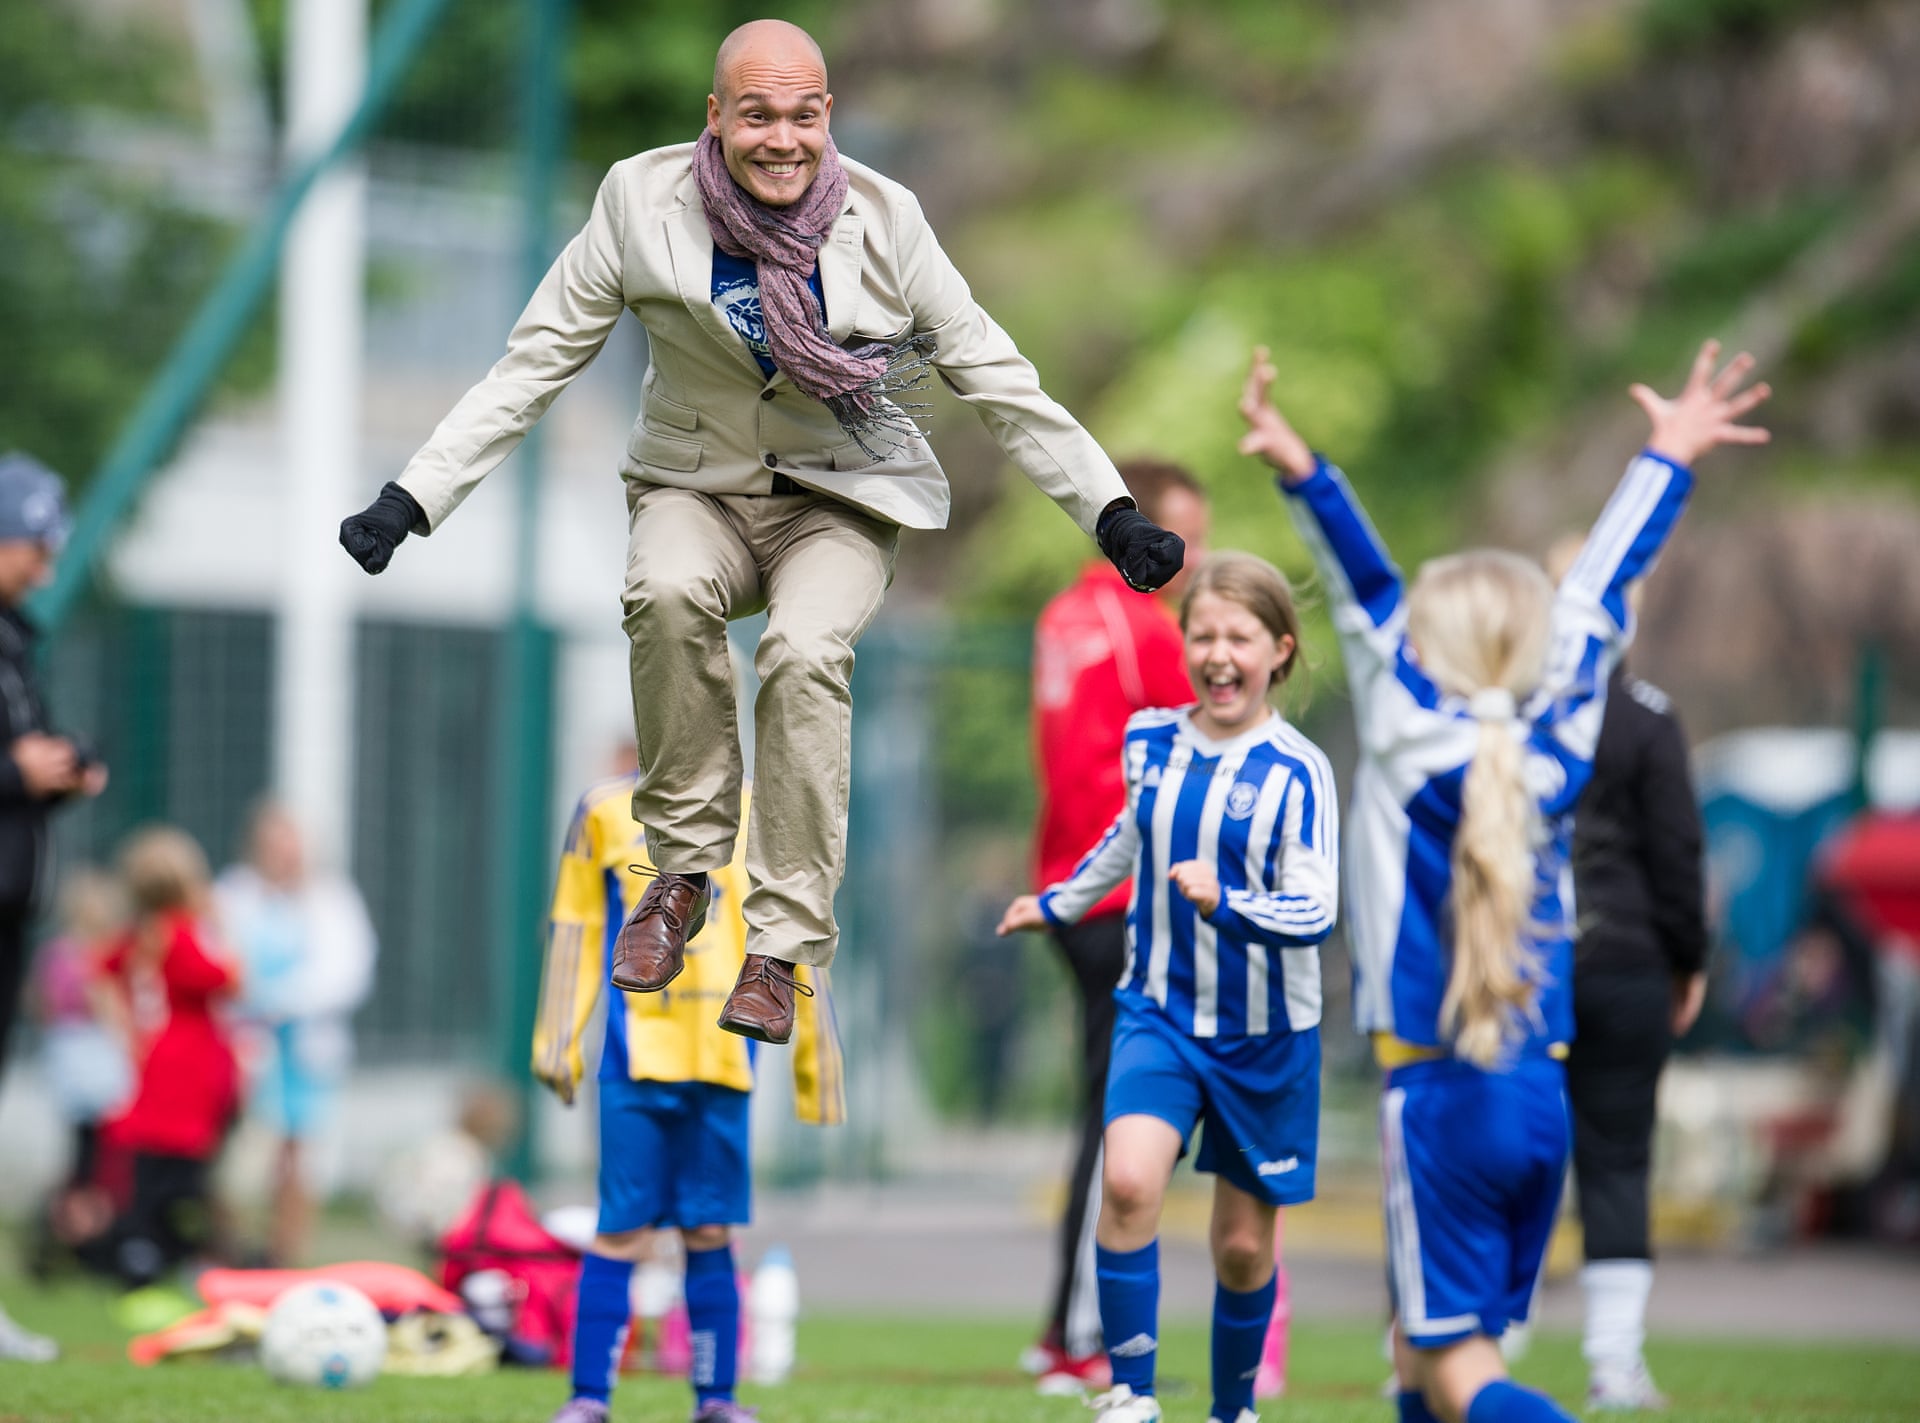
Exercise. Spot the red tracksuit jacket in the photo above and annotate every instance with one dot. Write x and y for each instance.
(1101, 652)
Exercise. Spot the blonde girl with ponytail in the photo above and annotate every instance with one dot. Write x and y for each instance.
(1480, 622)
(1477, 695)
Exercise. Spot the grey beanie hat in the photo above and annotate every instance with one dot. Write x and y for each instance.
(33, 502)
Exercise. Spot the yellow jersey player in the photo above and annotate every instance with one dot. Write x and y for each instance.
(673, 1090)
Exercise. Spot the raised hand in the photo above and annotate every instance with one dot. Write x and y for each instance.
(1269, 436)
(1703, 414)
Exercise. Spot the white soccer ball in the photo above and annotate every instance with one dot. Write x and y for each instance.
(324, 1335)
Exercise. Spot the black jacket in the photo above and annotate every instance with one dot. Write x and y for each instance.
(1638, 883)
(23, 818)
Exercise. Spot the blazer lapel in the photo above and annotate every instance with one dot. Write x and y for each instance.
(840, 274)
(692, 247)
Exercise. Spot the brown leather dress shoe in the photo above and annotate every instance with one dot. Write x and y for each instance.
(652, 947)
(761, 1004)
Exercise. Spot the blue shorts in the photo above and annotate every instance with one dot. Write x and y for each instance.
(1474, 1163)
(673, 1154)
(1259, 1097)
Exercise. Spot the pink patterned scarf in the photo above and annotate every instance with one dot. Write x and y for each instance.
(784, 244)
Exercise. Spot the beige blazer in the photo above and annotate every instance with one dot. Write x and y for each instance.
(709, 419)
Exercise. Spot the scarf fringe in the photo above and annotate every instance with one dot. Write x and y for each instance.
(878, 423)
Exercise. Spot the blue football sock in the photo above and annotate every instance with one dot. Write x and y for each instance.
(1130, 1311)
(1504, 1401)
(713, 1319)
(600, 1325)
(1239, 1331)
(1413, 1407)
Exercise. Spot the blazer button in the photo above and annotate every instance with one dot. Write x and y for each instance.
(767, 394)
(772, 461)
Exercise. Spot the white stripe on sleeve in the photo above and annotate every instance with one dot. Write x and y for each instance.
(1166, 802)
(1206, 939)
(1266, 811)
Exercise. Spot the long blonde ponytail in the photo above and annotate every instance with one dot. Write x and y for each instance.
(1479, 623)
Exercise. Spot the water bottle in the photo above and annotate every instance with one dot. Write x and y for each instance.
(773, 1303)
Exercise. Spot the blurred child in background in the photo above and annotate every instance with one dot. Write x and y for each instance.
(307, 947)
(1478, 695)
(169, 983)
(673, 1099)
(82, 1058)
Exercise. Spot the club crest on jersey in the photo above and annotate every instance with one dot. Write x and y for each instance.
(1152, 777)
(1240, 800)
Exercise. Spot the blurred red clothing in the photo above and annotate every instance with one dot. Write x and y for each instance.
(1101, 652)
(189, 1080)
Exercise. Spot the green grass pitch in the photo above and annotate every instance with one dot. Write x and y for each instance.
(879, 1370)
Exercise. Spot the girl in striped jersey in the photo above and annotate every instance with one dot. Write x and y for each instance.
(1229, 832)
(1478, 697)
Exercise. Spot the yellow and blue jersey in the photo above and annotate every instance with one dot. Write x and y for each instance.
(672, 1035)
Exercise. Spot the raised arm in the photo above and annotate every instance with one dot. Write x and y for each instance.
(1365, 595)
(1592, 623)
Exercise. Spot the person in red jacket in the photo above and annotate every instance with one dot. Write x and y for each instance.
(1101, 652)
(166, 981)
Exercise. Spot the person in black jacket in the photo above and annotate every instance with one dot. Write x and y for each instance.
(39, 768)
(1639, 978)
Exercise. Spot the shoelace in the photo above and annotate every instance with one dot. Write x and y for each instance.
(674, 921)
(766, 971)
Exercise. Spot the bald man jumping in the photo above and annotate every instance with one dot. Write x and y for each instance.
(793, 301)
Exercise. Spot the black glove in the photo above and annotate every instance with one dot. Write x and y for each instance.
(372, 535)
(1146, 554)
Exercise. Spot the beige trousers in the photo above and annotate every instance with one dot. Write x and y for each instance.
(820, 568)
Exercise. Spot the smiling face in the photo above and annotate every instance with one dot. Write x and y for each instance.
(1232, 660)
(769, 109)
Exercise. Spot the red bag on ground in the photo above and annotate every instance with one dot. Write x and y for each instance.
(499, 1231)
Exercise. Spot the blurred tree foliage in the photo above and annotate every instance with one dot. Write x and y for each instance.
(1699, 24)
(100, 271)
(1488, 301)
(636, 70)
(1519, 276)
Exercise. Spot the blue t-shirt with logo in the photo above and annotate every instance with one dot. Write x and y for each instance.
(736, 292)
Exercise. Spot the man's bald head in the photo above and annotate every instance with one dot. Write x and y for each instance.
(773, 42)
(769, 109)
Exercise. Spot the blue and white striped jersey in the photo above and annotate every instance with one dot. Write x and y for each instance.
(1261, 809)
(1416, 743)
